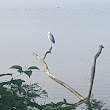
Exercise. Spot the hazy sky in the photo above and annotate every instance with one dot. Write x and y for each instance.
(79, 27)
(24, 25)
(42, 2)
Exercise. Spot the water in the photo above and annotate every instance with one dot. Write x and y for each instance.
(79, 28)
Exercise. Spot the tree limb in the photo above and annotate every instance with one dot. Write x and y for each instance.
(93, 70)
(80, 102)
(49, 74)
(55, 79)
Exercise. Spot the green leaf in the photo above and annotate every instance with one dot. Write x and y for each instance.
(16, 67)
(6, 83)
(34, 67)
(49, 108)
(17, 82)
(5, 74)
(28, 72)
(33, 95)
(70, 107)
(20, 71)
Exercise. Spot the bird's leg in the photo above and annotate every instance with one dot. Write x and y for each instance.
(51, 44)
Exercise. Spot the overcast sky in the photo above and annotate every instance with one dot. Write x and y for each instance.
(21, 3)
(79, 27)
(87, 20)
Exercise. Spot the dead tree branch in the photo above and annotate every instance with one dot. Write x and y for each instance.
(44, 64)
(80, 102)
(93, 70)
(50, 75)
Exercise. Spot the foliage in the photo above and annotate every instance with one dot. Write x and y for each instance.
(27, 72)
(63, 105)
(94, 104)
(16, 95)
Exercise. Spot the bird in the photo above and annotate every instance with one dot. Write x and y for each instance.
(51, 38)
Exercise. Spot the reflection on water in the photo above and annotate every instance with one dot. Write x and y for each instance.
(78, 31)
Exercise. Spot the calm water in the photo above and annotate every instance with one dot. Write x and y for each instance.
(79, 28)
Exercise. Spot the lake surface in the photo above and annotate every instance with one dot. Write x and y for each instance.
(78, 27)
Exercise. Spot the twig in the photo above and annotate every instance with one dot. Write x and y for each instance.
(17, 76)
(93, 70)
(49, 51)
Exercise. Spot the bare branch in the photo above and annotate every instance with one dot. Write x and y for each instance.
(17, 76)
(81, 102)
(49, 51)
(93, 70)
(55, 79)
(47, 72)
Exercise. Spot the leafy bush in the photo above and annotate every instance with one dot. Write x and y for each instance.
(63, 105)
(16, 95)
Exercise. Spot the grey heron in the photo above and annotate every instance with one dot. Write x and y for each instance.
(51, 38)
